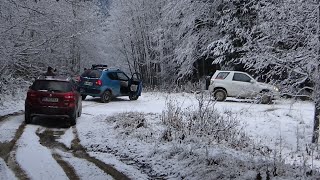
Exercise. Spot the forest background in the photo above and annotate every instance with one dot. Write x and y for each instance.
(173, 44)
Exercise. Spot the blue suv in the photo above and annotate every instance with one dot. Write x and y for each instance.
(100, 81)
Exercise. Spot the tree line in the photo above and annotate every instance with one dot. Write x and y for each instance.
(171, 43)
(178, 41)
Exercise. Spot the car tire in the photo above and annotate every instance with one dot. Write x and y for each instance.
(83, 97)
(220, 95)
(265, 99)
(73, 118)
(133, 96)
(27, 117)
(106, 97)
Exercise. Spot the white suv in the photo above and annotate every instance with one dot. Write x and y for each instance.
(225, 84)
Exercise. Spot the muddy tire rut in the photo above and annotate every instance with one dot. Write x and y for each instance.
(8, 149)
(126, 159)
(48, 139)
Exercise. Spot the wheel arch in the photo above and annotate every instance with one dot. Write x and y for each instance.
(108, 89)
(222, 88)
(265, 90)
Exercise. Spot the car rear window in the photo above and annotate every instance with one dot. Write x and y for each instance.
(56, 86)
(91, 73)
(222, 75)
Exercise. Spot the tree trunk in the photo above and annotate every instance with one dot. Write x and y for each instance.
(315, 135)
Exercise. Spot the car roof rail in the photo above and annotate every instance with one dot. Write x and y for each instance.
(56, 77)
(112, 69)
(99, 66)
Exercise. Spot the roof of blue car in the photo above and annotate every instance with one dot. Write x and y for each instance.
(112, 69)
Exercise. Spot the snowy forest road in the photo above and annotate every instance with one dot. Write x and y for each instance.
(36, 152)
(125, 139)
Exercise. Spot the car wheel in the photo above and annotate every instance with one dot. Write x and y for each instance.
(106, 97)
(27, 117)
(265, 99)
(83, 97)
(73, 119)
(220, 95)
(133, 96)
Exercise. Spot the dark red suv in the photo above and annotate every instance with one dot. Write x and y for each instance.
(55, 96)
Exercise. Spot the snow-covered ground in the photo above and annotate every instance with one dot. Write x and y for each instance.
(129, 135)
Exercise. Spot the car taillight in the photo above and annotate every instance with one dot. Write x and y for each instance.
(69, 97)
(99, 82)
(31, 94)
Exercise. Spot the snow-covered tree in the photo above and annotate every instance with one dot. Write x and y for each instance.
(162, 39)
(37, 34)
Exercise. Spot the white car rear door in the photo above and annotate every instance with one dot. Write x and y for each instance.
(242, 85)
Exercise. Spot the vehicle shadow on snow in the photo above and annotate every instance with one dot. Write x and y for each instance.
(51, 122)
(116, 99)
(249, 101)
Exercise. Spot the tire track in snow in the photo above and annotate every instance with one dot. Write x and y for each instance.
(8, 148)
(80, 151)
(35, 159)
(5, 117)
(48, 138)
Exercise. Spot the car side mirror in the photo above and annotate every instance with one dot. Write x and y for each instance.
(252, 81)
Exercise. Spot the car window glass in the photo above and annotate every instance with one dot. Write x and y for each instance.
(113, 76)
(91, 73)
(222, 75)
(58, 86)
(241, 77)
(122, 76)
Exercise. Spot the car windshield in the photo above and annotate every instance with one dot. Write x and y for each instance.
(91, 73)
(56, 86)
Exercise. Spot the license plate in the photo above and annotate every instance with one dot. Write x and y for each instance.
(88, 83)
(47, 99)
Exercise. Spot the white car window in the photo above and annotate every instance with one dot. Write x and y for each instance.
(222, 75)
(241, 77)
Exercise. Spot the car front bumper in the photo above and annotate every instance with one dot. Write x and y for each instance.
(276, 95)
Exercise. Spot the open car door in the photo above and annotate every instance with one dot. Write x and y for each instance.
(135, 86)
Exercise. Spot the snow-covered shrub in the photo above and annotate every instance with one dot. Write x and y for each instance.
(132, 124)
(129, 120)
(11, 88)
(203, 123)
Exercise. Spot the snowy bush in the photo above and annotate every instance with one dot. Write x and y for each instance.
(12, 89)
(131, 123)
(202, 123)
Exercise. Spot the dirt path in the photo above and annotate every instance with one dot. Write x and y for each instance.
(8, 149)
(3, 118)
(49, 138)
(49, 135)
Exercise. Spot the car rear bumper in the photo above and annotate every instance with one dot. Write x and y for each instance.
(90, 91)
(50, 111)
